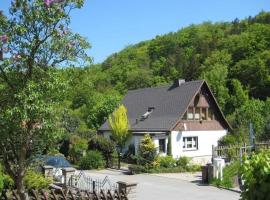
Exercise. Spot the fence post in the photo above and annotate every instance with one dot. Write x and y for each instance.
(67, 173)
(94, 185)
(128, 188)
(47, 171)
(213, 153)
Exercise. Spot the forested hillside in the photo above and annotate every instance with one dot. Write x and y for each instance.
(234, 57)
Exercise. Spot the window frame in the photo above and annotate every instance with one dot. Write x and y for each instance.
(194, 139)
(190, 113)
(164, 146)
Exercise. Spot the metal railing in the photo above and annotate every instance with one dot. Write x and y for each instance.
(82, 181)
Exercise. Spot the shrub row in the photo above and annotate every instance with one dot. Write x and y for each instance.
(166, 164)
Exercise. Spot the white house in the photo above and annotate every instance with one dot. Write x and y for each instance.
(187, 111)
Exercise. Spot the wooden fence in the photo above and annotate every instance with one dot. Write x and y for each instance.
(237, 151)
(60, 194)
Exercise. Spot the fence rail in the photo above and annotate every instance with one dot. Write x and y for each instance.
(237, 151)
(83, 182)
(59, 194)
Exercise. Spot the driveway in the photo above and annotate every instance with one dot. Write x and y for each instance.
(168, 186)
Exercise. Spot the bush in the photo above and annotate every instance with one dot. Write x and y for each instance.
(129, 155)
(6, 181)
(137, 169)
(105, 146)
(167, 161)
(229, 172)
(1, 178)
(77, 148)
(92, 160)
(147, 152)
(35, 180)
(183, 162)
(256, 175)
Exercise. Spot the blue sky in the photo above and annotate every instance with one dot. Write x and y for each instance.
(110, 25)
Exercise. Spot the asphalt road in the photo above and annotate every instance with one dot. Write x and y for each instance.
(167, 188)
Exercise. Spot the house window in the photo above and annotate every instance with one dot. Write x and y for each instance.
(197, 114)
(210, 114)
(161, 145)
(203, 117)
(190, 113)
(190, 143)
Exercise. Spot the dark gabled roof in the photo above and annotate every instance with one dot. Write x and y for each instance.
(169, 102)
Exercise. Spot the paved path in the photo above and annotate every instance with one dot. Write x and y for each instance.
(168, 187)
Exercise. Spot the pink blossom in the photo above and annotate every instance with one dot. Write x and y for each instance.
(4, 38)
(48, 3)
(16, 57)
(5, 49)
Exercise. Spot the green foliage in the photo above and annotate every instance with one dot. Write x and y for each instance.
(120, 126)
(39, 41)
(129, 155)
(77, 148)
(137, 169)
(229, 173)
(167, 161)
(102, 144)
(256, 175)
(183, 162)
(147, 153)
(36, 181)
(216, 75)
(252, 111)
(233, 57)
(1, 178)
(92, 160)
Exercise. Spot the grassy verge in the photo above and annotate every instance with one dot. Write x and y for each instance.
(229, 172)
(137, 169)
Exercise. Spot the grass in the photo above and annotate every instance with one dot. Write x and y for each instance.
(229, 172)
(137, 169)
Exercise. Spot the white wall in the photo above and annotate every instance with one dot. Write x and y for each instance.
(136, 139)
(205, 141)
(133, 140)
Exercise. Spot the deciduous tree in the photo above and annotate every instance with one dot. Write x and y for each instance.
(120, 125)
(37, 39)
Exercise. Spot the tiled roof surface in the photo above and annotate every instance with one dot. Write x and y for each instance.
(170, 103)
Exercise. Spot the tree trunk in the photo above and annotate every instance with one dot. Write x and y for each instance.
(20, 187)
(21, 173)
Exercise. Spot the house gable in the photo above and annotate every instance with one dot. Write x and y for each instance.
(202, 113)
(161, 109)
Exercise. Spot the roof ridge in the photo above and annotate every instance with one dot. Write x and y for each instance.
(163, 86)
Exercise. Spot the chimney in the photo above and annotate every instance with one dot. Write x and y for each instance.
(178, 82)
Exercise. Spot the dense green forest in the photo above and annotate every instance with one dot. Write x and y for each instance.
(234, 57)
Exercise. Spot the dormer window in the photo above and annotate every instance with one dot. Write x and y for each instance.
(199, 113)
(190, 114)
(203, 115)
(210, 114)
